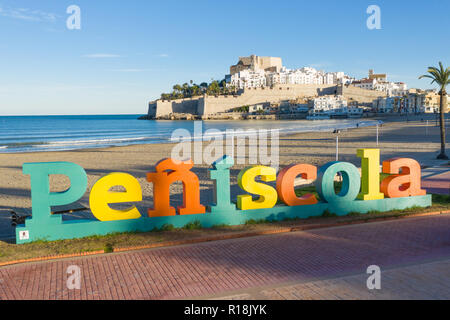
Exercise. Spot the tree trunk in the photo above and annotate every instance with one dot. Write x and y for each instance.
(442, 155)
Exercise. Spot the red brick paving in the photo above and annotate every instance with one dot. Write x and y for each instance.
(422, 281)
(223, 266)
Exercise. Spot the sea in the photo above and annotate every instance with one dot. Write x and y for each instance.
(20, 134)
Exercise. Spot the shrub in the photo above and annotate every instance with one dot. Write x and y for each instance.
(328, 214)
(193, 225)
(108, 248)
(167, 227)
(440, 198)
(253, 221)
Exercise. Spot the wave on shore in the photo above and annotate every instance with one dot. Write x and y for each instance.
(63, 133)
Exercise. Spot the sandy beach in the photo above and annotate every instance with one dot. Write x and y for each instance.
(407, 139)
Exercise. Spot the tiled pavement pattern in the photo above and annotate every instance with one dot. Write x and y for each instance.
(423, 281)
(221, 267)
(438, 183)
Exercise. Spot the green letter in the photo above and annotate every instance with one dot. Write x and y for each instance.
(42, 199)
(221, 176)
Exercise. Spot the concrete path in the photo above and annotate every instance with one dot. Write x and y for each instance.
(438, 183)
(320, 259)
(423, 281)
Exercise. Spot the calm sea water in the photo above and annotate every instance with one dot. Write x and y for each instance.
(53, 133)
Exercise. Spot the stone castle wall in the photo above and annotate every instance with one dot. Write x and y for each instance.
(358, 94)
(212, 105)
(208, 105)
(161, 108)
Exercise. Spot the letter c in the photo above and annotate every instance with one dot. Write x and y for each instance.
(285, 184)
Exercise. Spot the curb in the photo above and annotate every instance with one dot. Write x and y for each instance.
(45, 258)
(225, 237)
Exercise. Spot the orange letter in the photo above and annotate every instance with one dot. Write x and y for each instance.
(404, 184)
(285, 184)
(167, 172)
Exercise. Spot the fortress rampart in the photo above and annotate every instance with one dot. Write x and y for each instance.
(208, 105)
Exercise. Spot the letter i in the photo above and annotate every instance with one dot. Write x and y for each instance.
(221, 176)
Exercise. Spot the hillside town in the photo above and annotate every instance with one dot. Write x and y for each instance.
(262, 88)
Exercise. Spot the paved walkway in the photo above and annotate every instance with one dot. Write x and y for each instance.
(438, 183)
(423, 281)
(310, 259)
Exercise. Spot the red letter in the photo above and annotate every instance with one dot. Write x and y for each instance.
(285, 184)
(167, 172)
(404, 184)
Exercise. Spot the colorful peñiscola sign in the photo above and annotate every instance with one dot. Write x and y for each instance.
(361, 193)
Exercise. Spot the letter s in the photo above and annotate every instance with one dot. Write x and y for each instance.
(246, 181)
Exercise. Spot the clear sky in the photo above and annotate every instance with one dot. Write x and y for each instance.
(128, 52)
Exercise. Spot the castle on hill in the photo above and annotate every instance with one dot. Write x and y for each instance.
(259, 80)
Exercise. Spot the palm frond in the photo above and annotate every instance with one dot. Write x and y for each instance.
(440, 76)
(425, 76)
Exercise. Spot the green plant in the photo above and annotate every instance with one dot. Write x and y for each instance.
(108, 248)
(328, 214)
(440, 199)
(167, 227)
(193, 225)
(253, 221)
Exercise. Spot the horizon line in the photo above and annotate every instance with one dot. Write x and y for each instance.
(81, 114)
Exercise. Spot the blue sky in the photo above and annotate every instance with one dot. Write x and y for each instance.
(128, 52)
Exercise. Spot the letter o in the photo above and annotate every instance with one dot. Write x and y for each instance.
(351, 182)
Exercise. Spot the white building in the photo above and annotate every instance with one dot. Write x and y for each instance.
(306, 75)
(368, 84)
(256, 108)
(248, 79)
(332, 105)
(390, 88)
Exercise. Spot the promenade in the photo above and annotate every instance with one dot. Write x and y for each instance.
(413, 255)
(436, 180)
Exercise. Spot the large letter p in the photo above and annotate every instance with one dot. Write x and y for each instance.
(42, 199)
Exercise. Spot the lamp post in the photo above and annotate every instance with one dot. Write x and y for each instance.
(377, 134)
(337, 147)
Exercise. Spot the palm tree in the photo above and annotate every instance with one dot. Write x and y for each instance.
(441, 77)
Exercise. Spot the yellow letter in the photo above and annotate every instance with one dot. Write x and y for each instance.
(370, 174)
(100, 197)
(246, 180)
